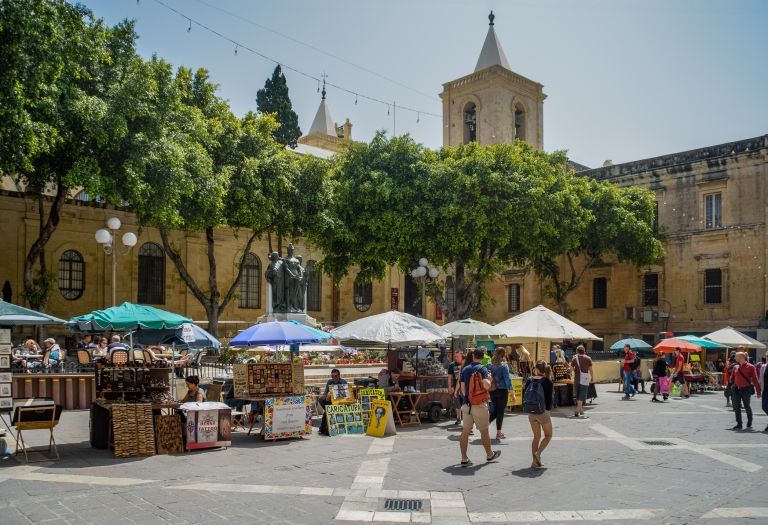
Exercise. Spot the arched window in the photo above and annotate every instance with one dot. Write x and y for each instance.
(250, 282)
(520, 122)
(362, 296)
(151, 274)
(470, 123)
(71, 275)
(314, 287)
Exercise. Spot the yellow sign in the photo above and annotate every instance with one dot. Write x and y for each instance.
(341, 394)
(517, 388)
(381, 423)
(365, 396)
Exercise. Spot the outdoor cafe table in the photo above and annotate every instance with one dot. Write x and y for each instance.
(412, 399)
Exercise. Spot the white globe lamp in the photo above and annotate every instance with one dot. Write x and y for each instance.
(103, 236)
(130, 239)
(433, 272)
(423, 261)
(113, 223)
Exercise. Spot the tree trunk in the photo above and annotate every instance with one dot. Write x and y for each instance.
(212, 303)
(37, 297)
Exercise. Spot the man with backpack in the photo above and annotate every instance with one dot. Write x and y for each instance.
(475, 382)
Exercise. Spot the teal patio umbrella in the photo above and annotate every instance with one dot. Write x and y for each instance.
(127, 316)
(699, 341)
(634, 344)
(14, 315)
(319, 333)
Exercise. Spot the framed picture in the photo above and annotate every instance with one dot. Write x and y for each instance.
(6, 403)
(5, 349)
(6, 377)
(5, 361)
(5, 336)
(5, 390)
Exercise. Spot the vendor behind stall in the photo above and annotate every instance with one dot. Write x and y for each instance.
(194, 395)
(326, 397)
(390, 381)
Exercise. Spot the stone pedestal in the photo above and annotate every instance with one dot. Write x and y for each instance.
(301, 317)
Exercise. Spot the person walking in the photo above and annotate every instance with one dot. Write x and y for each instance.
(679, 376)
(582, 377)
(745, 385)
(475, 382)
(660, 375)
(727, 372)
(763, 381)
(501, 387)
(637, 374)
(454, 370)
(537, 403)
(628, 372)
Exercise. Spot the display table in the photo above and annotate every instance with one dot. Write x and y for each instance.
(411, 400)
(102, 420)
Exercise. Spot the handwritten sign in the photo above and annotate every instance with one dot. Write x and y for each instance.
(345, 419)
(366, 396)
(287, 417)
(517, 387)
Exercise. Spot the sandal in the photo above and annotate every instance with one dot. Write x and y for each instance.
(494, 456)
(466, 463)
(501, 435)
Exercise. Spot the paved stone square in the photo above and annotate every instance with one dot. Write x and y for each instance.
(630, 462)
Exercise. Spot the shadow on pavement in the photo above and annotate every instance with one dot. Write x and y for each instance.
(529, 472)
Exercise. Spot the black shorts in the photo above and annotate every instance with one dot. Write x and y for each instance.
(679, 378)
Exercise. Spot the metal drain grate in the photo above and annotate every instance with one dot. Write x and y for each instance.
(403, 504)
(659, 443)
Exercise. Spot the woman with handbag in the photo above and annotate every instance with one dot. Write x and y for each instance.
(501, 386)
(661, 379)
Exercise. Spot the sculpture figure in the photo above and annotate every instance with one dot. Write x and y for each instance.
(275, 276)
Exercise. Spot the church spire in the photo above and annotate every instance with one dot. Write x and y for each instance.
(492, 53)
(323, 121)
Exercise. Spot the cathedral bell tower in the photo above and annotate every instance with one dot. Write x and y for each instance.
(493, 104)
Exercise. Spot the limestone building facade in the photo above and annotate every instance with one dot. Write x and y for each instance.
(712, 207)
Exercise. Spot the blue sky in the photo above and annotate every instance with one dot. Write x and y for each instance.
(625, 79)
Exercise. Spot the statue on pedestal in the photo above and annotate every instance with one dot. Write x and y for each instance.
(288, 280)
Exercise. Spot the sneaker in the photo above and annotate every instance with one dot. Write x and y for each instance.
(466, 463)
(625, 398)
(736, 427)
(749, 425)
(494, 456)
(654, 400)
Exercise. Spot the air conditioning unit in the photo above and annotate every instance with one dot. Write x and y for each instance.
(650, 316)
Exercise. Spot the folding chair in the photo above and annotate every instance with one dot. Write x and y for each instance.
(36, 418)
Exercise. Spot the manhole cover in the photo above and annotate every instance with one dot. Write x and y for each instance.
(403, 504)
(659, 443)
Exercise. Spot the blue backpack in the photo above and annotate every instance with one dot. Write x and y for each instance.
(534, 401)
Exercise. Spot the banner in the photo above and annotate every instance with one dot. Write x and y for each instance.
(345, 419)
(287, 417)
(381, 423)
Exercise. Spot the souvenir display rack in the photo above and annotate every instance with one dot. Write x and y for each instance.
(149, 384)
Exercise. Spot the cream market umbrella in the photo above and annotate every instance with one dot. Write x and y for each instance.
(732, 337)
(542, 325)
(472, 328)
(394, 328)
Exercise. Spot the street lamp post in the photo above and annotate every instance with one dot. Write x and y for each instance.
(106, 237)
(423, 271)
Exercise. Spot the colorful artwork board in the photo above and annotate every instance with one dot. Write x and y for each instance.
(345, 419)
(366, 396)
(341, 393)
(287, 417)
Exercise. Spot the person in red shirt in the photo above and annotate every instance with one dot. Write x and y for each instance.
(629, 359)
(745, 384)
(679, 376)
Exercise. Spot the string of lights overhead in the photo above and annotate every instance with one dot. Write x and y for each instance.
(238, 46)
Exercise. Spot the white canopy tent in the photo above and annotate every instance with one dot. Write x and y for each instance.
(733, 338)
(395, 328)
(540, 325)
(472, 328)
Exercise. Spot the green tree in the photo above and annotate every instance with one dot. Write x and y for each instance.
(606, 222)
(472, 211)
(58, 110)
(273, 98)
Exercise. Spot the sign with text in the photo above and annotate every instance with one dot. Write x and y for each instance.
(366, 396)
(287, 417)
(394, 299)
(208, 428)
(517, 388)
(381, 423)
(345, 419)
